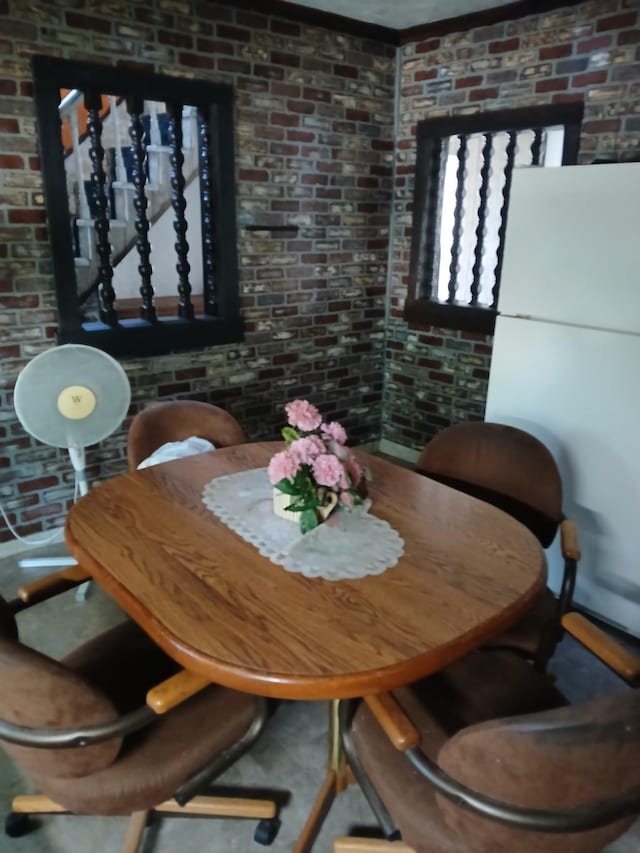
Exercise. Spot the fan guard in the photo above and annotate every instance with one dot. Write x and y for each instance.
(72, 396)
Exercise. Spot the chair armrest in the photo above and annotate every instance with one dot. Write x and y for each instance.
(569, 542)
(181, 686)
(369, 845)
(393, 720)
(621, 661)
(583, 817)
(54, 584)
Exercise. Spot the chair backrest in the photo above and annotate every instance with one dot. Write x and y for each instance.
(178, 420)
(37, 691)
(555, 759)
(502, 465)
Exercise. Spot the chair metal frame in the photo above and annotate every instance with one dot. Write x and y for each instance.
(159, 700)
(406, 737)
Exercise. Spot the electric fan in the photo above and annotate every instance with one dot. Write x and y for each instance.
(71, 396)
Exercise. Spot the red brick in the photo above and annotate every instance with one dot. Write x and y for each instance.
(192, 60)
(251, 20)
(483, 94)
(174, 388)
(562, 98)
(301, 107)
(27, 215)
(310, 94)
(557, 51)
(284, 119)
(466, 82)
(504, 46)
(253, 175)
(11, 161)
(596, 43)
(286, 28)
(206, 45)
(428, 74)
(557, 85)
(427, 46)
(270, 71)
(224, 31)
(175, 39)
(37, 485)
(289, 59)
(629, 37)
(611, 125)
(49, 510)
(9, 125)
(88, 22)
(617, 22)
(346, 71)
(590, 78)
(357, 115)
(234, 66)
(8, 87)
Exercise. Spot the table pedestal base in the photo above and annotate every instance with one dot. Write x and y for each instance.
(338, 777)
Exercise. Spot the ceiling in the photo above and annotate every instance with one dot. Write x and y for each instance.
(401, 14)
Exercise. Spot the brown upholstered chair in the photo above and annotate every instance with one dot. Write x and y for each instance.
(447, 768)
(177, 420)
(115, 728)
(515, 472)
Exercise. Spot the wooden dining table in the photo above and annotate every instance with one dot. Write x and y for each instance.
(222, 610)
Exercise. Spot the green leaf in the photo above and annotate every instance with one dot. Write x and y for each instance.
(308, 520)
(286, 486)
(289, 434)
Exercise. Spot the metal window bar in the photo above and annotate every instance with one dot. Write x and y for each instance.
(468, 236)
(135, 107)
(461, 175)
(206, 203)
(176, 159)
(108, 313)
(508, 173)
(485, 173)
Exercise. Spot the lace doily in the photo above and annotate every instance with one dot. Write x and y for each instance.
(350, 544)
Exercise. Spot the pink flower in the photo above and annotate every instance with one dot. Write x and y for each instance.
(328, 471)
(347, 499)
(335, 431)
(354, 469)
(283, 466)
(307, 449)
(303, 415)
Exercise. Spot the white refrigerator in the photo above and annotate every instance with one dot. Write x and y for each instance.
(566, 362)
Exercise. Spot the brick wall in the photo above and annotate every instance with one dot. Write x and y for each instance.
(314, 120)
(589, 52)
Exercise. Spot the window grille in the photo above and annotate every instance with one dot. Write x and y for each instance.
(463, 178)
(140, 193)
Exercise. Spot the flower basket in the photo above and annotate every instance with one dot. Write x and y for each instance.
(316, 473)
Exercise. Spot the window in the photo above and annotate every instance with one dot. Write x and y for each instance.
(139, 185)
(463, 175)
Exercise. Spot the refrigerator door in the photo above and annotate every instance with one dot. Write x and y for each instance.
(577, 390)
(572, 248)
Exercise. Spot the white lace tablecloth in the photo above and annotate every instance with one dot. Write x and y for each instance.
(350, 544)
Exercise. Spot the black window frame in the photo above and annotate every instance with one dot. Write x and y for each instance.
(421, 311)
(138, 337)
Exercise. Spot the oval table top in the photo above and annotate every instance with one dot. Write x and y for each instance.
(219, 608)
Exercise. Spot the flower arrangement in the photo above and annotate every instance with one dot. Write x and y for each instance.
(316, 469)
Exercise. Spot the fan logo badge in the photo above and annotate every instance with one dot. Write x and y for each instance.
(76, 402)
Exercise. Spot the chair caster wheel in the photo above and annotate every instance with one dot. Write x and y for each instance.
(17, 824)
(267, 830)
